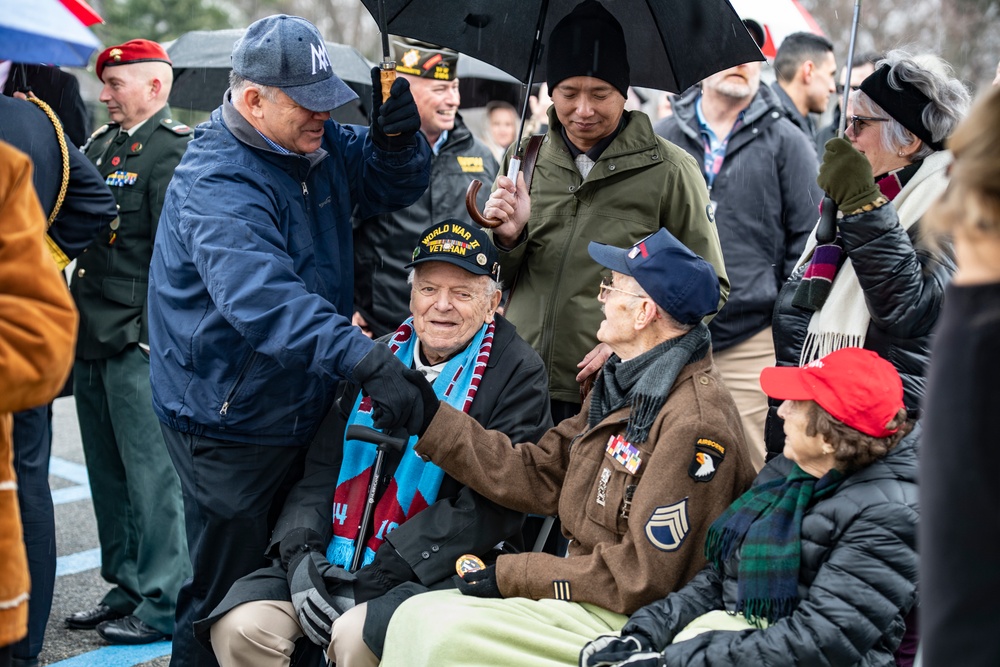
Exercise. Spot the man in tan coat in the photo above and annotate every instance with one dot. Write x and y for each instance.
(37, 333)
(656, 454)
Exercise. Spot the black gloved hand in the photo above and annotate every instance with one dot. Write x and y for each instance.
(612, 650)
(398, 115)
(384, 573)
(297, 542)
(403, 398)
(320, 594)
(480, 583)
(846, 176)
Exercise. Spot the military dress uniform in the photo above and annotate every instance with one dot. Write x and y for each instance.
(136, 492)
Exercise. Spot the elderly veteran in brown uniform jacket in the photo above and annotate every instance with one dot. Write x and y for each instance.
(656, 454)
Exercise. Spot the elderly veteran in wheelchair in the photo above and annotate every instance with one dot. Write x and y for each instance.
(655, 455)
(424, 521)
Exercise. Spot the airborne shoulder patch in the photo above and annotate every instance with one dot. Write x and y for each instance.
(668, 526)
(708, 455)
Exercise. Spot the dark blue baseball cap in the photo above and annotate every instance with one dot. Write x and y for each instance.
(288, 52)
(679, 281)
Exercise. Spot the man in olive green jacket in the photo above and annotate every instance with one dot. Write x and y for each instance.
(601, 175)
(136, 491)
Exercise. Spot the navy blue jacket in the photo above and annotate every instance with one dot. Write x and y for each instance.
(250, 288)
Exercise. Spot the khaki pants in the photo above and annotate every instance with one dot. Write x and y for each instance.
(262, 633)
(740, 367)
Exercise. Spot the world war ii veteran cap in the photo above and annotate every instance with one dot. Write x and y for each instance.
(134, 51)
(461, 244)
(422, 59)
(679, 281)
(288, 52)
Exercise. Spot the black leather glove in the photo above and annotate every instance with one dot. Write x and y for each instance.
(402, 396)
(320, 594)
(398, 115)
(480, 583)
(846, 176)
(612, 650)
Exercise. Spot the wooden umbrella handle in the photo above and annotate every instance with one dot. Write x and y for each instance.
(470, 204)
(387, 75)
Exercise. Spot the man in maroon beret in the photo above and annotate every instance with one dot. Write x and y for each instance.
(136, 491)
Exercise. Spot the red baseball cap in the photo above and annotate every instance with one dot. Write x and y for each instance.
(855, 385)
(134, 51)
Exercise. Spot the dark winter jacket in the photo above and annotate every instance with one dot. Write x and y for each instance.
(383, 245)
(513, 398)
(251, 284)
(903, 282)
(857, 581)
(766, 201)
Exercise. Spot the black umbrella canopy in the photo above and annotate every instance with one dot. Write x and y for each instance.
(672, 44)
(202, 61)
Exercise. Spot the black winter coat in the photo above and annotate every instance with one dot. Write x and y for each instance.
(857, 581)
(766, 200)
(903, 283)
(513, 398)
(383, 245)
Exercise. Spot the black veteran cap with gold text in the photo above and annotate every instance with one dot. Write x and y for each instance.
(462, 244)
(423, 59)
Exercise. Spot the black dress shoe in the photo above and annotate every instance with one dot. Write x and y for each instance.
(129, 630)
(90, 619)
(24, 662)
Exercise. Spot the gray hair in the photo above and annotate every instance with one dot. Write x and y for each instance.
(491, 286)
(932, 76)
(237, 84)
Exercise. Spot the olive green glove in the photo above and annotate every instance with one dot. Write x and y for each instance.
(846, 176)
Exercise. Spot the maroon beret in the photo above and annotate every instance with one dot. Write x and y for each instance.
(134, 51)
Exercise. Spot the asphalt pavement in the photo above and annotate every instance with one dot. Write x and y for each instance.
(78, 582)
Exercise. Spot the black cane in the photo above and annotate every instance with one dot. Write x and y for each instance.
(826, 230)
(382, 442)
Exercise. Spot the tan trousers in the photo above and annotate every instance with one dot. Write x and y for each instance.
(740, 367)
(262, 633)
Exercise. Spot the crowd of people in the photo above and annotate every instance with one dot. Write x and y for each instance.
(328, 412)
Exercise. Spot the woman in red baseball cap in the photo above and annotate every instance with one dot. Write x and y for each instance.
(817, 562)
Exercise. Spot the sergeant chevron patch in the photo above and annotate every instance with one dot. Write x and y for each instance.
(668, 526)
(561, 590)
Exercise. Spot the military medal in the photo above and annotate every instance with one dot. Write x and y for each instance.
(469, 563)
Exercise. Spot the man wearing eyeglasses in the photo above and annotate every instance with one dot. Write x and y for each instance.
(862, 65)
(761, 177)
(656, 453)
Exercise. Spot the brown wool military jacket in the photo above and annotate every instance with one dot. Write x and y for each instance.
(636, 524)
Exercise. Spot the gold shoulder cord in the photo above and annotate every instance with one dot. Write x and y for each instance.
(57, 254)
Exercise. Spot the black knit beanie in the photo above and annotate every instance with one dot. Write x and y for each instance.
(588, 41)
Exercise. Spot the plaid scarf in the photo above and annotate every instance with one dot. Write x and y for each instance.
(645, 381)
(765, 524)
(415, 482)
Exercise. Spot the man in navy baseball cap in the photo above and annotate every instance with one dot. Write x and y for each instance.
(289, 53)
(677, 280)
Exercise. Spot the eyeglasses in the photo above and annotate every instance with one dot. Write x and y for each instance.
(857, 123)
(608, 286)
(840, 88)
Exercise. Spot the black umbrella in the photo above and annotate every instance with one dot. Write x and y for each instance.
(672, 44)
(202, 61)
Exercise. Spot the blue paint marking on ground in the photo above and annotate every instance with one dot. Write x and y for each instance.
(78, 562)
(70, 494)
(117, 656)
(74, 472)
